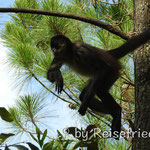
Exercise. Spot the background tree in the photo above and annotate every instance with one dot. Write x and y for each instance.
(31, 56)
(142, 80)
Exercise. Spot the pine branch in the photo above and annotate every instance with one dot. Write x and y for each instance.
(126, 9)
(95, 22)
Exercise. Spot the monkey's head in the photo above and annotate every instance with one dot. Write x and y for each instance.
(60, 45)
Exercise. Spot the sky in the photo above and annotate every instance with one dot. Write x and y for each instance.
(8, 94)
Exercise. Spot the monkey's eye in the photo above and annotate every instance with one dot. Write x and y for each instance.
(57, 46)
(55, 49)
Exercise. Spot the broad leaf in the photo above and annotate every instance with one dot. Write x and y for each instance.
(4, 136)
(5, 115)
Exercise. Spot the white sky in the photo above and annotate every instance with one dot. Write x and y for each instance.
(7, 94)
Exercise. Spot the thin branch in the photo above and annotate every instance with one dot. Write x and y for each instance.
(128, 81)
(93, 21)
(115, 23)
(108, 2)
(72, 92)
(70, 97)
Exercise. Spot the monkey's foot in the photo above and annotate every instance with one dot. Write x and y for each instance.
(116, 129)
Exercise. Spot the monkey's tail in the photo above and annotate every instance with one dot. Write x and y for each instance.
(131, 45)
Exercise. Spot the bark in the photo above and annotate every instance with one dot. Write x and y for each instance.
(141, 141)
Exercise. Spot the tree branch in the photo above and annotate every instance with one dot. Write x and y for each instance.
(95, 22)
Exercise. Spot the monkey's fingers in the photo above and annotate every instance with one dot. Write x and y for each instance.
(59, 86)
(82, 111)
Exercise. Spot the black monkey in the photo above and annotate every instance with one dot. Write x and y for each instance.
(102, 67)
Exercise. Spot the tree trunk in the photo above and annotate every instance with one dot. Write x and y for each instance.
(141, 141)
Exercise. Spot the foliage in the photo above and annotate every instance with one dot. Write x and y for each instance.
(27, 36)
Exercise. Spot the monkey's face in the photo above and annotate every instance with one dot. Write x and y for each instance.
(58, 47)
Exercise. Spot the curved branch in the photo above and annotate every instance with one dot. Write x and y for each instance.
(93, 21)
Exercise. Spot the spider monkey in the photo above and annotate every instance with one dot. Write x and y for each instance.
(102, 67)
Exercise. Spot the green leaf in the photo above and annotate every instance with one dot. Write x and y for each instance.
(4, 136)
(60, 146)
(5, 115)
(33, 147)
(77, 145)
(48, 146)
(60, 136)
(38, 133)
(33, 138)
(44, 136)
(66, 143)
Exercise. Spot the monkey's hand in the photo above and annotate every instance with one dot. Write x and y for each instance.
(56, 76)
(59, 82)
(82, 110)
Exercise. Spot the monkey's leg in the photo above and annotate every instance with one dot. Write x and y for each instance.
(98, 106)
(113, 108)
(102, 87)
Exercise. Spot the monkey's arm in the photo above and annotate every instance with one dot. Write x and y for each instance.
(54, 74)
